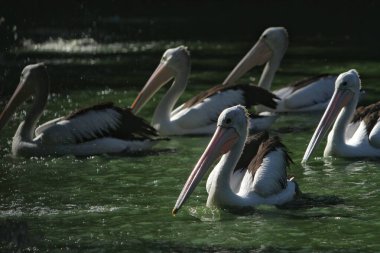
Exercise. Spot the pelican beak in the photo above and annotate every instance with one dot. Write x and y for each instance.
(221, 143)
(258, 55)
(160, 76)
(337, 102)
(21, 93)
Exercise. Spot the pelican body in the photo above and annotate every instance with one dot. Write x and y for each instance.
(310, 94)
(249, 173)
(197, 116)
(100, 129)
(354, 134)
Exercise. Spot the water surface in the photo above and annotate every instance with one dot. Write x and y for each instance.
(115, 204)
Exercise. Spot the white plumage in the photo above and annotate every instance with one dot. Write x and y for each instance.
(199, 114)
(207, 112)
(87, 126)
(353, 134)
(267, 179)
(313, 97)
(262, 181)
(312, 94)
(95, 130)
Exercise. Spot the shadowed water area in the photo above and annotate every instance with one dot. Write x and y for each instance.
(123, 204)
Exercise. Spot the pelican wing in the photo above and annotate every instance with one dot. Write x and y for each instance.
(46, 125)
(207, 112)
(205, 108)
(253, 95)
(370, 115)
(308, 93)
(310, 80)
(251, 147)
(99, 121)
(261, 122)
(269, 168)
(374, 136)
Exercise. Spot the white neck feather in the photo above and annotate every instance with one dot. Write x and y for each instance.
(336, 139)
(220, 193)
(161, 117)
(269, 71)
(26, 129)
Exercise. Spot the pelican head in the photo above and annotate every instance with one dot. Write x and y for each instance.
(231, 127)
(32, 78)
(172, 61)
(347, 87)
(272, 44)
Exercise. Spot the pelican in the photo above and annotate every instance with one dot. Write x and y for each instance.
(198, 115)
(354, 134)
(311, 94)
(100, 129)
(241, 179)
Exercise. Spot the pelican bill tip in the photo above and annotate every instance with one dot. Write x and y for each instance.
(174, 211)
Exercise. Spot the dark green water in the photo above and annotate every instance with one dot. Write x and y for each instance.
(123, 204)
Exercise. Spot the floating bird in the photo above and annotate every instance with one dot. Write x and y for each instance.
(198, 115)
(311, 94)
(246, 178)
(100, 129)
(354, 134)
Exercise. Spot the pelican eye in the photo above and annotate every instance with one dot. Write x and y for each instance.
(22, 76)
(344, 83)
(164, 58)
(228, 121)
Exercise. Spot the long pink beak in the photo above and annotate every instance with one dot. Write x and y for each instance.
(340, 99)
(18, 97)
(221, 143)
(160, 76)
(258, 55)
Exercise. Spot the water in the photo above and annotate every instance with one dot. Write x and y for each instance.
(116, 204)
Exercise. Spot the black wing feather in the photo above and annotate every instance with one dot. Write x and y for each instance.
(253, 95)
(129, 126)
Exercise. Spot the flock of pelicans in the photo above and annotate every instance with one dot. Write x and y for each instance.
(252, 167)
